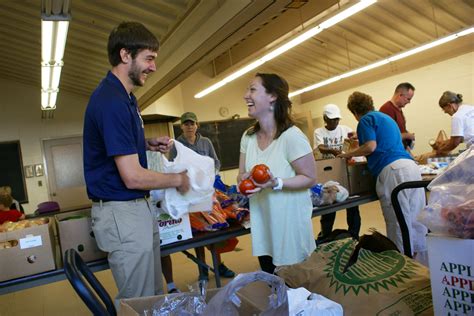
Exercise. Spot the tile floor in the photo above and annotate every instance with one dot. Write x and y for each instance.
(59, 298)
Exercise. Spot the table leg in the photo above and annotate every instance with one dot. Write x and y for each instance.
(215, 264)
(197, 261)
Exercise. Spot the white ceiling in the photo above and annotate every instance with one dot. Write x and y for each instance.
(226, 33)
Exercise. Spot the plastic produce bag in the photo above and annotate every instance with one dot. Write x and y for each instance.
(182, 304)
(450, 208)
(209, 221)
(219, 184)
(231, 208)
(328, 193)
(226, 302)
(201, 173)
(302, 302)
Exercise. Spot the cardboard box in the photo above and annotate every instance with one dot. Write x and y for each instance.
(75, 231)
(254, 300)
(173, 230)
(451, 263)
(332, 170)
(32, 252)
(360, 179)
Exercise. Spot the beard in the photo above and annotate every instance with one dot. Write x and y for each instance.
(134, 74)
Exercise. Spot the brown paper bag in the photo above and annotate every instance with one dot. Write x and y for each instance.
(423, 158)
(386, 283)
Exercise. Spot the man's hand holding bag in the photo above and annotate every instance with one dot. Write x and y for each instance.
(201, 172)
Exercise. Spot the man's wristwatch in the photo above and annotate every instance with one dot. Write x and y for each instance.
(279, 184)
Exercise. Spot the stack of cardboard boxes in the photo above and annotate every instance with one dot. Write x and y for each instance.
(39, 246)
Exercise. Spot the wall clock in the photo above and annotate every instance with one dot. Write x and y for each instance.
(223, 111)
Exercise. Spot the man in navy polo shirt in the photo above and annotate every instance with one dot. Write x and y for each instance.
(115, 165)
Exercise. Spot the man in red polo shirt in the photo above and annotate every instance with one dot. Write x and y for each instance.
(403, 94)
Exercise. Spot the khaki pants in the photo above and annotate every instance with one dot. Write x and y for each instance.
(411, 203)
(127, 230)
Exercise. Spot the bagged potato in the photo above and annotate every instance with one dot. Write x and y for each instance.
(386, 283)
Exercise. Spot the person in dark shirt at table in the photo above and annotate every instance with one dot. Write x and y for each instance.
(402, 96)
(115, 166)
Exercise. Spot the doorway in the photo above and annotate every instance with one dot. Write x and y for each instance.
(65, 172)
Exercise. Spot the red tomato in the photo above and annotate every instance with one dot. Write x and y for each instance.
(260, 173)
(245, 186)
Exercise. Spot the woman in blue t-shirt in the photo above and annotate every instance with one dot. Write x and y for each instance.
(381, 142)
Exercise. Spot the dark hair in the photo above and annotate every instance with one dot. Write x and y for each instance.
(132, 36)
(404, 86)
(360, 103)
(449, 97)
(277, 86)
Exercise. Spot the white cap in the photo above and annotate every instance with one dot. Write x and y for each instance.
(332, 111)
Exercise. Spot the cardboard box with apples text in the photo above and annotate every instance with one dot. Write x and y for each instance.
(451, 263)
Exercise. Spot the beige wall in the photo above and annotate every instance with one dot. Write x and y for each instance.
(170, 104)
(20, 119)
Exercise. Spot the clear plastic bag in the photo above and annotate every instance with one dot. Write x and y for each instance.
(328, 193)
(182, 304)
(303, 302)
(226, 302)
(450, 208)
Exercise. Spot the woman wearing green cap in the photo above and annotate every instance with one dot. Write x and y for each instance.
(192, 139)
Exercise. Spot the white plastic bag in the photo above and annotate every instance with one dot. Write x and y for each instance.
(342, 193)
(328, 193)
(227, 303)
(450, 208)
(302, 302)
(201, 173)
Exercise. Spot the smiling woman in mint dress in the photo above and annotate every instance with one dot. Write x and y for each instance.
(280, 210)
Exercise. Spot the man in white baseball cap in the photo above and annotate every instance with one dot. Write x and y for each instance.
(328, 142)
(332, 111)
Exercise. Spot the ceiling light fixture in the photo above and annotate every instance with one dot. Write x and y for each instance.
(361, 5)
(382, 62)
(55, 17)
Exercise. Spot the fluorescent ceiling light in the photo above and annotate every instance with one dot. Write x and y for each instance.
(50, 76)
(289, 45)
(365, 68)
(346, 13)
(53, 43)
(46, 40)
(53, 40)
(61, 36)
(385, 61)
(55, 17)
(229, 78)
(48, 100)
